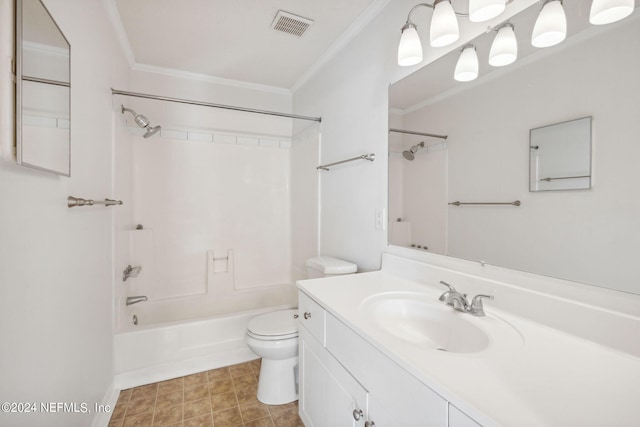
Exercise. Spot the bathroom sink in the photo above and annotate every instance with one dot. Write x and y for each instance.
(424, 321)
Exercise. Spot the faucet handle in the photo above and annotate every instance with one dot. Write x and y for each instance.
(477, 309)
(451, 289)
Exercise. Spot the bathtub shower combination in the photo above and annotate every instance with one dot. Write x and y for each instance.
(206, 238)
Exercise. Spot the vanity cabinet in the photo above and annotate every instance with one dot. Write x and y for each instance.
(329, 395)
(346, 381)
(457, 418)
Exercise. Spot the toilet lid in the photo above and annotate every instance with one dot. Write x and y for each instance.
(276, 323)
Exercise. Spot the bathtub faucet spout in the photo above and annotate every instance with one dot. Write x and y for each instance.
(135, 300)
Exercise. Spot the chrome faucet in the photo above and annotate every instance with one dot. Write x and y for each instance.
(135, 300)
(459, 301)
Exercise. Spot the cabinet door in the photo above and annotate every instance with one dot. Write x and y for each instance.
(396, 398)
(328, 394)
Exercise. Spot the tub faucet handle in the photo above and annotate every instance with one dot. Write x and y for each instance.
(136, 299)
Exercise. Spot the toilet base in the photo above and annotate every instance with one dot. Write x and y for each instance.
(278, 383)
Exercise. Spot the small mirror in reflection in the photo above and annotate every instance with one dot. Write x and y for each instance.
(560, 156)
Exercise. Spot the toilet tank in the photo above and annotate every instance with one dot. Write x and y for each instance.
(325, 266)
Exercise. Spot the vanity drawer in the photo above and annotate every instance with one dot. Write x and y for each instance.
(311, 317)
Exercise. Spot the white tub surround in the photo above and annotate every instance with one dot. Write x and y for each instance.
(559, 354)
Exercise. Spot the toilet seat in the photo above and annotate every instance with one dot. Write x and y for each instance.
(277, 325)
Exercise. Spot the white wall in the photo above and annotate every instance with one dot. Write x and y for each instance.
(55, 263)
(304, 196)
(350, 92)
(590, 236)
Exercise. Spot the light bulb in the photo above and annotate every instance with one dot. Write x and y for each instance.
(551, 26)
(483, 10)
(410, 48)
(608, 11)
(444, 24)
(504, 49)
(467, 66)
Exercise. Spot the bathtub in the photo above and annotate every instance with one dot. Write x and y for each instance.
(149, 353)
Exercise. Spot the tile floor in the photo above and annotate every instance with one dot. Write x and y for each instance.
(224, 397)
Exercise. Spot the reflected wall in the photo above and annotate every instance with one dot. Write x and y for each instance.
(589, 236)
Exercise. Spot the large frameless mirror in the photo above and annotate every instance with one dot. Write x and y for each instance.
(43, 87)
(590, 236)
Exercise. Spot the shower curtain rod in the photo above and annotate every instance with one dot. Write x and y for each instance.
(209, 104)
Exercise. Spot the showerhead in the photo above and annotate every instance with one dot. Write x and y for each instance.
(143, 122)
(151, 131)
(410, 154)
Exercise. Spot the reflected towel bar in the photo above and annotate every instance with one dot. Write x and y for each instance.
(515, 203)
(564, 177)
(370, 157)
(76, 201)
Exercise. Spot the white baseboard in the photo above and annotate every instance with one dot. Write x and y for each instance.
(102, 416)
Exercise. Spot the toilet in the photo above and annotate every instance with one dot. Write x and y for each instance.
(274, 337)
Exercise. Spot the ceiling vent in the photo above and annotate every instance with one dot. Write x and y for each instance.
(290, 23)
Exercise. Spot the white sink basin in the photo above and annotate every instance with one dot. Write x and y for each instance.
(425, 322)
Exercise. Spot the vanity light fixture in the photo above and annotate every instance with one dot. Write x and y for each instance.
(467, 66)
(444, 24)
(608, 11)
(504, 49)
(444, 28)
(549, 30)
(410, 49)
(483, 10)
(551, 25)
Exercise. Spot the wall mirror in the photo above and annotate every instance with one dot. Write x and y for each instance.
(591, 237)
(560, 156)
(43, 87)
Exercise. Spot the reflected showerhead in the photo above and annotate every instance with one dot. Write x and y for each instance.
(410, 153)
(142, 121)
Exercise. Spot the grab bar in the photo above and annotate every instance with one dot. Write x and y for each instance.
(514, 203)
(76, 201)
(370, 157)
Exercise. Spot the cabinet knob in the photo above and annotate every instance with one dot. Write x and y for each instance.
(357, 414)
(307, 315)
(369, 424)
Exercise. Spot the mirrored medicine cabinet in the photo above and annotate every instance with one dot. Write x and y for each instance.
(43, 85)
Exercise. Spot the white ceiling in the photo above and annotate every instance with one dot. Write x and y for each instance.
(233, 39)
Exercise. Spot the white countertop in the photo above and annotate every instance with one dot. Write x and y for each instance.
(538, 376)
